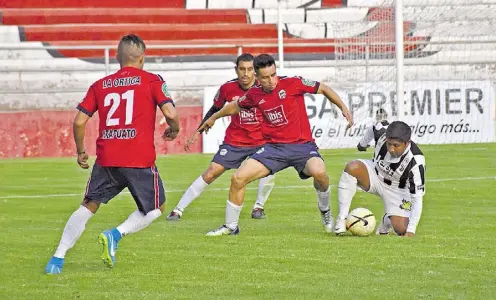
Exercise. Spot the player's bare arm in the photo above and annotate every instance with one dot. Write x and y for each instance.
(229, 109)
(172, 119)
(78, 127)
(335, 99)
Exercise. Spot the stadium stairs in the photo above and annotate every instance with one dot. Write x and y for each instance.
(58, 79)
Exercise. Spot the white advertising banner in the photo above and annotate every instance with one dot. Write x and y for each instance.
(439, 112)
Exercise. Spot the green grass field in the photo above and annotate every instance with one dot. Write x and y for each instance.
(286, 256)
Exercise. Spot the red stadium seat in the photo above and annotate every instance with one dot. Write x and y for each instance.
(332, 3)
(91, 3)
(96, 32)
(77, 22)
(24, 16)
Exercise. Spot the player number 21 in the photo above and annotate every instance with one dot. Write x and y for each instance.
(115, 100)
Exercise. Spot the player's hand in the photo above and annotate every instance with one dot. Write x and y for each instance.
(348, 116)
(191, 140)
(169, 134)
(206, 126)
(409, 234)
(82, 160)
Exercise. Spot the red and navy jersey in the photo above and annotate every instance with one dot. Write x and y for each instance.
(245, 127)
(285, 119)
(126, 102)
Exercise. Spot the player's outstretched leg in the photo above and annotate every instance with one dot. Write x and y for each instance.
(109, 239)
(265, 186)
(195, 189)
(251, 170)
(134, 223)
(72, 231)
(315, 168)
(354, 173)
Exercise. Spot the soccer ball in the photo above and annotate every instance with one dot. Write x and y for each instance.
(360, 222)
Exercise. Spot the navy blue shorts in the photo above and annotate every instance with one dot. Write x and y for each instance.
(277, 157)
(231, 157)
(144, 184)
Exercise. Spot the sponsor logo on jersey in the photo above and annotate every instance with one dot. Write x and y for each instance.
(276, 116)
(248, 116)
(165, 90)
(406, 205)
(308, 82)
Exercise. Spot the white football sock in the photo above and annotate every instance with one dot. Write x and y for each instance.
(346, 190)
(386, 221)
(323, 199)
(265, 186)
(232, 215)
(194, 190)
(137, 221)
(73, 230)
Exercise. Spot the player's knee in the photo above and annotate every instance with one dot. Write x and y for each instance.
(91, 205)
(400, 230)
(238, 181)
(321, 176)
(353, 167)
(400, 224)
(212, 173)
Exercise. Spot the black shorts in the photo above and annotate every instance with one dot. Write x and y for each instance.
(231, 157)
(277, 157)
(144, 184)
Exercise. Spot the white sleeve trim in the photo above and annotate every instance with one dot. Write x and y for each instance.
(416, 212)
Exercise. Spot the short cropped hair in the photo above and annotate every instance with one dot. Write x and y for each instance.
(399, 130)
(263, 61)
(133, 39)
(244, 57)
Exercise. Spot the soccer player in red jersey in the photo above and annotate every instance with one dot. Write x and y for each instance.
(243, 138)
(126, 102)
(286, 129)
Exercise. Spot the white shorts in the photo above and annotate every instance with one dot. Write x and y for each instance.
(394, 198)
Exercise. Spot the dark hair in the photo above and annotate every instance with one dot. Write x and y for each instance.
(399, 130)
(244, 57)
(381, 114)
(133, 39)
(263, 61)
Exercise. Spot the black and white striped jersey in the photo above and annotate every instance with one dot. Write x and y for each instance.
(374, 132)
(404, 172)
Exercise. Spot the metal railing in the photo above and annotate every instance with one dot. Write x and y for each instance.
(366, 61)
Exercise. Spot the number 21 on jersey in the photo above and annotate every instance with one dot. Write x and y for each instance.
(114, 99)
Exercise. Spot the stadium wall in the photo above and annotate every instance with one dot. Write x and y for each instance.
(49, 133)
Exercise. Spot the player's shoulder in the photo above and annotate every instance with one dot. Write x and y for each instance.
(229, 85)
(151, 77)
(414, 148)
(289, 80)
(231, 82)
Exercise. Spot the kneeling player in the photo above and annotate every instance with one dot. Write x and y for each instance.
(396, 174)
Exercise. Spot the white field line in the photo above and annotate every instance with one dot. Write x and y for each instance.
(226, 189)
